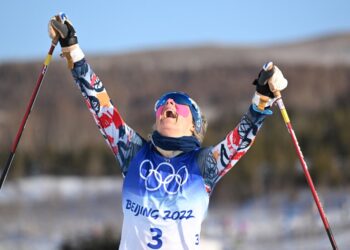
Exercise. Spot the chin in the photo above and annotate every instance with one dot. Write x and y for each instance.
(170, 129)
(169, 132)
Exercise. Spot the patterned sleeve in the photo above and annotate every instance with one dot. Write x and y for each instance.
(123, 140)
(216, 161)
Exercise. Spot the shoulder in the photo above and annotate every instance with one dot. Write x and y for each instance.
(205, 157)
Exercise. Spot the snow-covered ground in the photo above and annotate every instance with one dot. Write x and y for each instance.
(39, 213)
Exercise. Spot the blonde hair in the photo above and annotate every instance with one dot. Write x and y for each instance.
(200, 135)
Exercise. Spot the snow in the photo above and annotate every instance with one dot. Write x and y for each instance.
(39, 213)
(46, 187)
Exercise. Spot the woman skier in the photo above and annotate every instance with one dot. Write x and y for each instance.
(169, 178)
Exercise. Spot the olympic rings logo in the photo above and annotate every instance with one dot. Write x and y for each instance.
(163, 175)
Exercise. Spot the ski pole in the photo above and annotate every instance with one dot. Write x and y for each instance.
(286, 119)
(305, 168)
(28, 110)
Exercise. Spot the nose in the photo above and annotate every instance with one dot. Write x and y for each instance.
(170, 102)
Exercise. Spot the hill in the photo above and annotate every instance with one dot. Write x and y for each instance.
(60, 132)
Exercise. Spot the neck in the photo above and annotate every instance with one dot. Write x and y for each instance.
(168, 153)
(174, 145)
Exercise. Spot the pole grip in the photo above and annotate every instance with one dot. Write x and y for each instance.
(277, 94)
(55, 40)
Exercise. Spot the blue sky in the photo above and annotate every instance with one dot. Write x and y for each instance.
(123, 26)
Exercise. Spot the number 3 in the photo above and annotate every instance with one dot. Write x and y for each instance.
(156, 237)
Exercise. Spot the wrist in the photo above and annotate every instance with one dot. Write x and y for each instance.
(256, 116)
(72, 54)
(261, 101)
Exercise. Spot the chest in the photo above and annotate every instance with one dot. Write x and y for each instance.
(151, 174)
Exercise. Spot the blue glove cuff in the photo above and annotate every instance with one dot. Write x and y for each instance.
(266, 111)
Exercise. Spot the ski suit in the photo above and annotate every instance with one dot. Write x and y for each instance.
(164, 200)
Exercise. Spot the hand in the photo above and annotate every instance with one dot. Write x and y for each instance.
(61, 27)
(268, 85)
(270, 80)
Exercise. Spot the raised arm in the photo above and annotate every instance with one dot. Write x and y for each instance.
(123, 140)
(216, 161)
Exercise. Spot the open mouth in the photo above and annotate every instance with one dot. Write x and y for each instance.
(170, 114)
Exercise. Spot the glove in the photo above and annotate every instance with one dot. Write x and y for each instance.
(61, 27)
(269, 83)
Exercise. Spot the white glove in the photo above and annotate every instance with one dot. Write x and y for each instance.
(268, 86)
(276, 82)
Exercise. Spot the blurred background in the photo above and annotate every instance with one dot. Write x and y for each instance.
(63, 189)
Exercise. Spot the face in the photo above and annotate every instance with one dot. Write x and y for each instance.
(174, 120)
